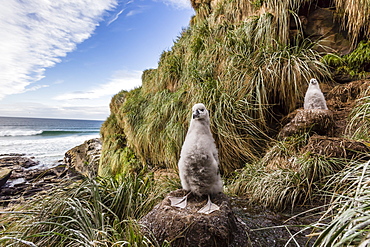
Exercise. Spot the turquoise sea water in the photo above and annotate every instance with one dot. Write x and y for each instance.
(45, 139)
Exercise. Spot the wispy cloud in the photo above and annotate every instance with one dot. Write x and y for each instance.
(181, 4)
(35, 34)
(138, 10)
(121, 80)
(116, 15)
(34, 88)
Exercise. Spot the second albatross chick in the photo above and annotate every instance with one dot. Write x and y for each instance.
(198, 164)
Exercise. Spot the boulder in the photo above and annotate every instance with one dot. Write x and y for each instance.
(321, 25)
(187, 227)
(17, 160)
(4, 175)
(85, 157)
(313, 121)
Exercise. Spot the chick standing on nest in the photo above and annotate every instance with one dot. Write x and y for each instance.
(198, 164)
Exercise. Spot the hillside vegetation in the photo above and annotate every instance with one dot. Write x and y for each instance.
(249, 62)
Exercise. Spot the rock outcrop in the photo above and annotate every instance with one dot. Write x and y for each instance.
(20, 178)
(321, 25)
(187, 227)
(4, 175)
(85, 157)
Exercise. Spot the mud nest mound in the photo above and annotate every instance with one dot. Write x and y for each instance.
(345, 95)
(313, 121)
(187, 227)
(336, 147)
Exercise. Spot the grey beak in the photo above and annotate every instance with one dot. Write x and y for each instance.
(195, 114)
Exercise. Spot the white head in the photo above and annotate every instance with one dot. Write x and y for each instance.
(314, 83)
(200, 112)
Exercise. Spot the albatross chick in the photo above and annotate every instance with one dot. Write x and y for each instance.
(198, 164)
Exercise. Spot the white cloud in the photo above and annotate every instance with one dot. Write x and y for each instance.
(35, 34)
(181, 4)
(121, 80)
(34, 88)
(32, 109)
(115, 17)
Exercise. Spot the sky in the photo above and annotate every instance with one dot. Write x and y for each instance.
(67, 58)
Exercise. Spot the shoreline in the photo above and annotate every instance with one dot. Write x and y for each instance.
(23, 176)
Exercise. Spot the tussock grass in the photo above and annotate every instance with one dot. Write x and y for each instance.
(359, 120)
(98, 212)
(285, 188)
(346, 221)
(355, 17)
(284, 178)
(245, 83)
(239, 59)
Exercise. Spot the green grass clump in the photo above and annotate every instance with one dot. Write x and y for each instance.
(359, 120)
(285, 188)
(97, 212)
(347, 219)
(284, 178)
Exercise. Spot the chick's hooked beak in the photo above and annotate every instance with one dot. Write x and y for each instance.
(196, 114)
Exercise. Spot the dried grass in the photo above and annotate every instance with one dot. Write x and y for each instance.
(355, 17)
(336, 147)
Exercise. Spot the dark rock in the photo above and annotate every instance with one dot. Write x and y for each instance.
(4, 175)
(321, 25)
(17, 160)
(275, 229)
(85, 157)
(23, 182)
(12, 154)
(187, 227)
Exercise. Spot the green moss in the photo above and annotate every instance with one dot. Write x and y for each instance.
(355, 64)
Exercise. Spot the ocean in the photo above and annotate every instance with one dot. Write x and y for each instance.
(46, 140)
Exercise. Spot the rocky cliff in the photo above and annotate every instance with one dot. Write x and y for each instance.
(85, 157)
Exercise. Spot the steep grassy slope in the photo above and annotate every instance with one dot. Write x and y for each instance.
(249, 62)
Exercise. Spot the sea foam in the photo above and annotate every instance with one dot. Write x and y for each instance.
(18, 132)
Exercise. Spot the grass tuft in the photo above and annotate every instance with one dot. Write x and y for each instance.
(359, 120)
(97, 212)
(284, 178)
(346, 221)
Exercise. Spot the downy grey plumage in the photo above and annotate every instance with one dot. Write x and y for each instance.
(314, 98)
(198, 164)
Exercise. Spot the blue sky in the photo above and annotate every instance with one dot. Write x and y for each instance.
(67, 58)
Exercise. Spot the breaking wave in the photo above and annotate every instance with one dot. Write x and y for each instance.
(9, 133)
